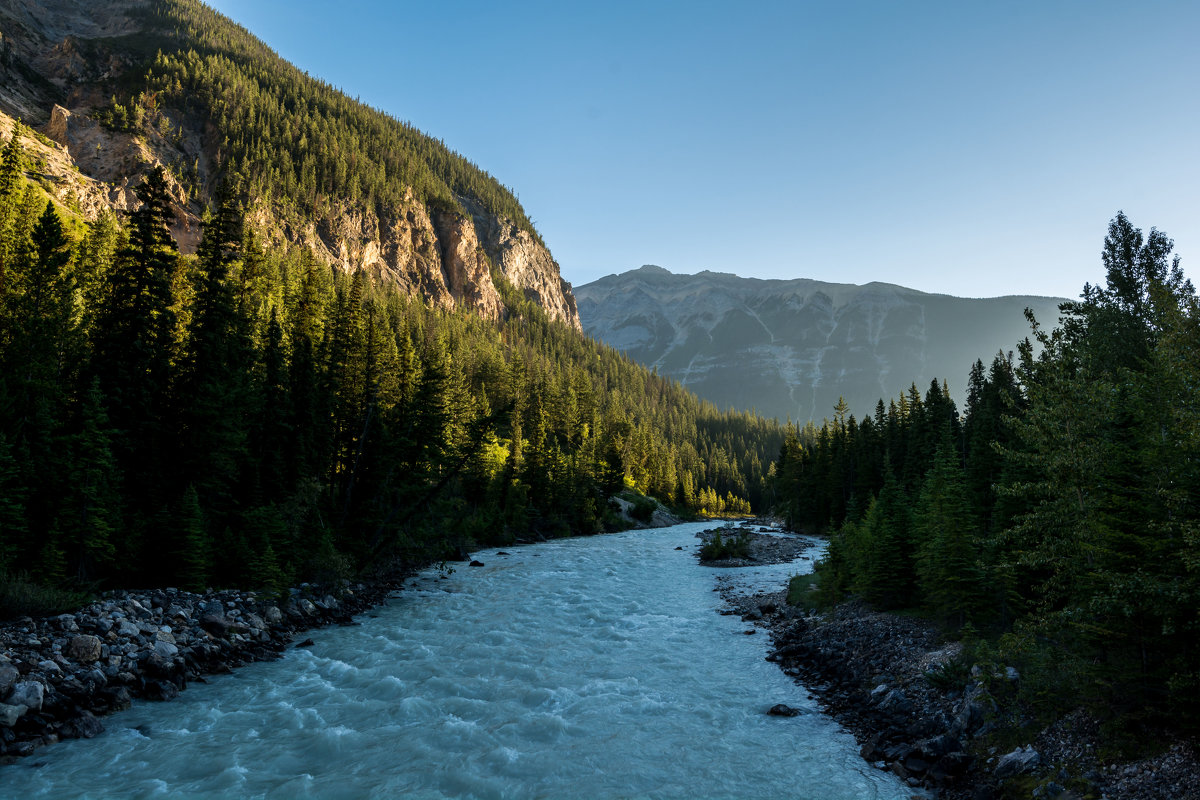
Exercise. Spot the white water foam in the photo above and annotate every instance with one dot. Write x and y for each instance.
(592, 667)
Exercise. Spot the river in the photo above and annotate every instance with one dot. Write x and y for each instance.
(582, 668)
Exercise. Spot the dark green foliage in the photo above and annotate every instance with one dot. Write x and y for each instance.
(944, 528)
(249, 417)
(298, 143)
(718, 548)
(1061, 516)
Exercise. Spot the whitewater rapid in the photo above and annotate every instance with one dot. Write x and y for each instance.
(583, 668)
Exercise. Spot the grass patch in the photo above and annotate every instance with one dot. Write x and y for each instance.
(802, 592)
(21, 597)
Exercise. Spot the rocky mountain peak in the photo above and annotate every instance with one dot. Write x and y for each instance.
(791, 348)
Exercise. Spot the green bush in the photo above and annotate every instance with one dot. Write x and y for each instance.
(718, 549)
(643, 509)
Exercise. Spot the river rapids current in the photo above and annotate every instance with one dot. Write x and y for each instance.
(583, 668)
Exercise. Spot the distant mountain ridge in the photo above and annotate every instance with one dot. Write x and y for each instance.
(791, 348)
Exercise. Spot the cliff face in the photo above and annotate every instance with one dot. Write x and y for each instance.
(792, 348)
(58, 62)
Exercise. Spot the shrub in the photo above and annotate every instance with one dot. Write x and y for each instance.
(718, 549)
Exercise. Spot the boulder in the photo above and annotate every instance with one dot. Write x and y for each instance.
(9, 675)
(215, 623)
(9, 714)
(161, 690)
(895, 702)
(127, 629)
(28, 693)
(165, 649)
(1019, 762)
(84, 648)
(938, 746)
(781, 710)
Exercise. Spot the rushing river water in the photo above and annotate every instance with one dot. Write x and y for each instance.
(583, 668)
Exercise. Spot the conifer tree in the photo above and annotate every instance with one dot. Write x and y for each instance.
(944, 531)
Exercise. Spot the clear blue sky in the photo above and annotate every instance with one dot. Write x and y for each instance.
(972, 148)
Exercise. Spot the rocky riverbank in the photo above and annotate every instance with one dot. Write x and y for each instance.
(941, 725)
(59, 675)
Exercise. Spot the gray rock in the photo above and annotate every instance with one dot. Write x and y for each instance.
(9, 675)
(1019, 762)
(165, 649)
(127, 629)
(215, 622)
(781, 710)
(306, 607)
(9, 714)
(28, 693)
(50, 668)
(273, 615)
(895, 702)
(84, 649)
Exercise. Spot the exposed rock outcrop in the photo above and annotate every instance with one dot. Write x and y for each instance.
(526, 264)
(57, 61)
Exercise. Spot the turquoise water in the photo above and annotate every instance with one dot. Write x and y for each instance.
(590, 668)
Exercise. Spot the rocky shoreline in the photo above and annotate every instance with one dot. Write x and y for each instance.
(898, 686)
(59, 675)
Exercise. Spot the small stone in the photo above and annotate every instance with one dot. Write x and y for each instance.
(127, 629)
(475, 563)
(781, 710)
(165, 649)
(306, 643)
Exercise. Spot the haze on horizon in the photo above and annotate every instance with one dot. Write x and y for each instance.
(967, 149)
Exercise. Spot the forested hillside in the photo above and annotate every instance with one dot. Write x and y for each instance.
(120, 87)
(1056, 524)
(251, 416)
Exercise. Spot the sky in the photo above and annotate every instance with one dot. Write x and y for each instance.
(969, 148)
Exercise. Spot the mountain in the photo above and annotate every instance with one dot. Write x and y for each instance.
(117, 87)
(791, 348)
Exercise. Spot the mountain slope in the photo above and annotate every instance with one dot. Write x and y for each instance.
(791, 348)
(119, 86)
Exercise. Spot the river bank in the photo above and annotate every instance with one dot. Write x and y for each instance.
(872, 671)
(60, 674)
(477, 684)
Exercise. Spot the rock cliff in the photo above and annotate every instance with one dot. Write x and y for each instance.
(59, 61)
(792, 348)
